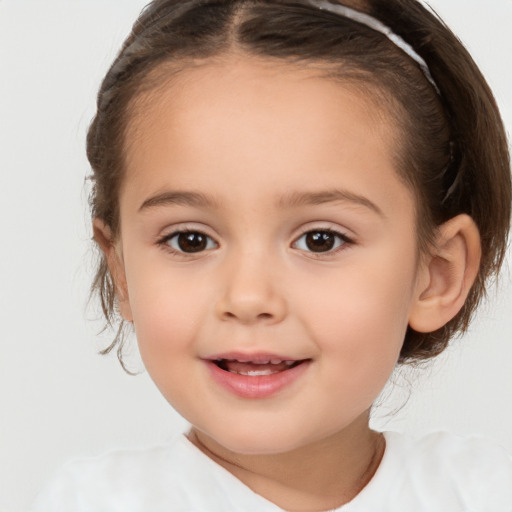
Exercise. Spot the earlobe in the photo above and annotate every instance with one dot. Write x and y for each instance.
(104, 238)
(446, 275)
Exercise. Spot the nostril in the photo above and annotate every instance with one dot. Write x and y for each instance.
(229, 315)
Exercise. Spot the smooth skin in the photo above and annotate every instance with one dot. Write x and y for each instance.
(251, 159)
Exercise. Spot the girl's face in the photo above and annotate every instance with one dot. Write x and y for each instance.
(269, 252)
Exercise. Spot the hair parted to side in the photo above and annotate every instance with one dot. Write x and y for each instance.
(452, 150)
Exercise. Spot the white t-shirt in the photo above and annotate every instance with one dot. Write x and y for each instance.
(438, 473)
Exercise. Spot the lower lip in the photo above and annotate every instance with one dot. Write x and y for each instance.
(256, 386)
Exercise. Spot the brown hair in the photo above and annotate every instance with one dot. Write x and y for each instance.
(452, 151)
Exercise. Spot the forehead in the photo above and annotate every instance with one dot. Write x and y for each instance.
(248, 115)
(241, 85)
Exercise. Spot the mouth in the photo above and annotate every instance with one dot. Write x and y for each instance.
(256, 368)
(256, 376)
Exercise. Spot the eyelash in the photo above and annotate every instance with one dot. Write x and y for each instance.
(340, 243)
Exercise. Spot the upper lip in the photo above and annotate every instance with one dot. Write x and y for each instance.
(257, 358)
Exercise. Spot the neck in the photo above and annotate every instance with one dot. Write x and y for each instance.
(320, 476)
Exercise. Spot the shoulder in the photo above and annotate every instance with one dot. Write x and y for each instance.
(473, 473)
(118, 480)
(451, 452)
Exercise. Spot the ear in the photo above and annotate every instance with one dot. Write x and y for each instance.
(112, 252)
(446, 275)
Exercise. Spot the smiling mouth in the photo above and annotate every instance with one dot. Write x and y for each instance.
(257, 368)
(256, 376)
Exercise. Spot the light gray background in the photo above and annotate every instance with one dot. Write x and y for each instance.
(58, 398)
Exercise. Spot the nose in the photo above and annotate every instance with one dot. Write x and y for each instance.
(251, 292)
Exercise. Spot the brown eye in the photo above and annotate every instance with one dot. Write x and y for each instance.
(191, 242)
(320, 241)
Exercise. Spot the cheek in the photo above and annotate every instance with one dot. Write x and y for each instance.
(360, 349)
(362, 316)
(166, 311)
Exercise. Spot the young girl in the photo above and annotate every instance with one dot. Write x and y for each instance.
(293, 197)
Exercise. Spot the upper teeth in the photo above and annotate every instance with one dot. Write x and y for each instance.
(255, 373)
(263, 361)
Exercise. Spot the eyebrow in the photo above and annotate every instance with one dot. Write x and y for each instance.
(295, 199)
(290, 200)
(178, 198)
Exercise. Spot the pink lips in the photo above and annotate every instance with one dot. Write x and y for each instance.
(255, 376)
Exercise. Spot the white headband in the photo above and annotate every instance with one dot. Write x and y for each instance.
(375, 24)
